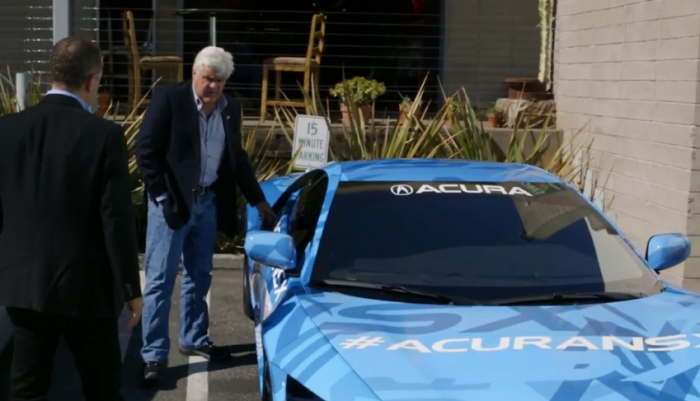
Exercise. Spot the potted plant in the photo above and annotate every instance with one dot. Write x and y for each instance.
(405, 108)
(493, 116)
(360, 91)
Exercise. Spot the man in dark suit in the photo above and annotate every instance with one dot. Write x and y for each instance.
(68, 247)
(189, 153)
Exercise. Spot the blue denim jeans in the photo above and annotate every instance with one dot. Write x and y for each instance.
(195, 243)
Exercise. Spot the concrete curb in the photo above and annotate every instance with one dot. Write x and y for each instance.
(222, 261)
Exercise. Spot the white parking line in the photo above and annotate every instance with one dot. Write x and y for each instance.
(198, 374)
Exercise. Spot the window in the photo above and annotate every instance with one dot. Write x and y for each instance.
(476, 240)
(302, 226)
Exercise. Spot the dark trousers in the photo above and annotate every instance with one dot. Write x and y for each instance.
(94, 344)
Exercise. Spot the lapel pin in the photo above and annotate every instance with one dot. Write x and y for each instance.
(228, 117)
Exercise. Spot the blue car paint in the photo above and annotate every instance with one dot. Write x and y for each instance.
(271, 248)
(667, 250)
(272, 189)
(301, 331)
(305, 338)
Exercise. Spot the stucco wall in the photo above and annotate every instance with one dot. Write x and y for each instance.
(487, 41)
(630, 70)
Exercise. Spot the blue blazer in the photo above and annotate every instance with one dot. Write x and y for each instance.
(168, 155)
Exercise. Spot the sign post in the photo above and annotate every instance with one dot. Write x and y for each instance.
(311, 137)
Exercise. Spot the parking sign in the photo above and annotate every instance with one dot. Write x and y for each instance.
(311, 136)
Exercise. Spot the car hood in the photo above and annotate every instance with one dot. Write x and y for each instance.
(645, 349)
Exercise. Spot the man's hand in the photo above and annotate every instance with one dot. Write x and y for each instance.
(136, 308)
(266, 213)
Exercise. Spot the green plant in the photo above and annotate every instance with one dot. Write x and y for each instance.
(526, 145)
(407, 102)
(35, 91)
(492, 109)
(358, 90)
(423, 138)
(356, 141)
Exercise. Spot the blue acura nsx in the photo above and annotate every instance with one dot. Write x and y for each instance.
(440, 280)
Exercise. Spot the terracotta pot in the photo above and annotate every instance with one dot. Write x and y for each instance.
(494, 121)
(404, 110)
(365, 109)
(103, 100)
(526, 89)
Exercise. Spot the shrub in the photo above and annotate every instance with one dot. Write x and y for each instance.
(358, 90)
(34, 92)
(419, 137)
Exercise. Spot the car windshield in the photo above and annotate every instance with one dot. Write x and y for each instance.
(477, 240)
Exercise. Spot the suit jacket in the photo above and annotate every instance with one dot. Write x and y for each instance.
(68, 241)
(169, 152)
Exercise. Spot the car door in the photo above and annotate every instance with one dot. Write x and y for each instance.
(299, 209)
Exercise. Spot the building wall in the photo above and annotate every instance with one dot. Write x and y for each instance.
(627, 72)
(84, 19)
(27, 32)
(487, 41)
(26, 35)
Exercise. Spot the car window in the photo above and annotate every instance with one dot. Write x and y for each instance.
(283, 215)
(495, 240)
(306, 212)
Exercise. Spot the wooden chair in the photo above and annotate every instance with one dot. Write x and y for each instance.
(139, 63)
(309, 65)
(112, 50)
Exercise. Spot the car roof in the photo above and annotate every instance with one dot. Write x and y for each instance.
(446, 170)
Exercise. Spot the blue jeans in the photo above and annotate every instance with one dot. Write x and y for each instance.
(164, 246)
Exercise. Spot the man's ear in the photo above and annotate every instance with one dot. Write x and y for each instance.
(89, 82)
(92, 80)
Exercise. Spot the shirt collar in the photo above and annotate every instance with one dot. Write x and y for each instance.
(220, 104)
(66, 93)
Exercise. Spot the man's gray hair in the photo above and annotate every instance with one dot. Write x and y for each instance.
(215, 58)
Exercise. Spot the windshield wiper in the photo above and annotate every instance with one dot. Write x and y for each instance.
(558, 297)
(397, 289)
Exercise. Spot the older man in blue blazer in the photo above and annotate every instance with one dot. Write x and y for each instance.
(189, 153)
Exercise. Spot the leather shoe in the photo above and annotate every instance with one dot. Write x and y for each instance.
(209, 351)
(151, 372)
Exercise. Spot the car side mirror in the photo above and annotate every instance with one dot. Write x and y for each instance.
(667, 250)
(273, 249)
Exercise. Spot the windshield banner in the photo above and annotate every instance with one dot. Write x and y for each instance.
(406, 189)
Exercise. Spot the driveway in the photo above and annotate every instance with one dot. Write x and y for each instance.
(187, 378)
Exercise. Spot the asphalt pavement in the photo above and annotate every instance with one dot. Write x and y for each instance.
(186, 378)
